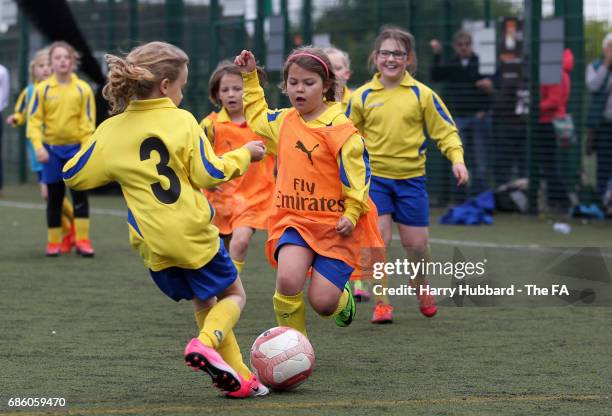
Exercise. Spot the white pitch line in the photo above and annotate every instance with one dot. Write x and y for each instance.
(529, 247)
(441, 241)
(482, 244)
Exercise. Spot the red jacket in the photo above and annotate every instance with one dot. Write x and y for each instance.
(554, 97)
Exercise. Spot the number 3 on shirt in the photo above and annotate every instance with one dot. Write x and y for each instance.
(166, 196)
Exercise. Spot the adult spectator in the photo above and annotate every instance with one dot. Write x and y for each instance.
(468, 99)
(599, 120)
(551, 144)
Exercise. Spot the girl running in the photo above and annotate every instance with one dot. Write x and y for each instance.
(322, 217)
(160, 157)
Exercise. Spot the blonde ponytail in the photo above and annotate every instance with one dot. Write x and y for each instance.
(135, 76)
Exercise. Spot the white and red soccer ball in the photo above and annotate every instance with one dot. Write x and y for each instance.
(282, 358)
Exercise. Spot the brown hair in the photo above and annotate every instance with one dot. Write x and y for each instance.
(136, 75)
(313, 65)
(224, 68)
(403, 37)
(43, 53)
(74, 55)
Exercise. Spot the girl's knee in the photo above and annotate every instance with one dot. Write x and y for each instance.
(324, 306)
(236, 293)
(287, 284)
(239, 244)
(416, 243)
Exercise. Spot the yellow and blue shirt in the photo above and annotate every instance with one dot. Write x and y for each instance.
(61, 114)
(20, 112)
(396, 123)
(353, 158)
(346, 97)
(161, 158)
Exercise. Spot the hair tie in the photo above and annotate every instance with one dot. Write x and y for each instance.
(310, 55)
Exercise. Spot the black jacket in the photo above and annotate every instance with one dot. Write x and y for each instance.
(462, 96)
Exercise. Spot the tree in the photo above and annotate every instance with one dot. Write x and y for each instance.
(594, 33)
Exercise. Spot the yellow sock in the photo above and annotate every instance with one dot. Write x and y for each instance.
(219, 321)
(81, 229)
(67, 216)
(200, 316)
(54, 235)
(67, 209)
(344, 298)
(290, 311)
(229, 349)
(239, 265)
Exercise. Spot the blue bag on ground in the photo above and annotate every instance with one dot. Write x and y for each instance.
(474, 211)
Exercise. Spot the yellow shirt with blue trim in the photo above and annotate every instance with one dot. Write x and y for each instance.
(61, 114)
(160, 157)
(353, 157)
(207, 124)
(346, 96)
(396, 123)
(21, 108)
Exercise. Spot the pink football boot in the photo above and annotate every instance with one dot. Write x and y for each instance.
(202, 357)
(251, 388)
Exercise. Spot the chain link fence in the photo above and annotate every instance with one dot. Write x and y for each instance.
(514, 131)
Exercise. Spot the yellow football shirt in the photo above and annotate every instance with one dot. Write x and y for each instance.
(161, 158)
(396, 123)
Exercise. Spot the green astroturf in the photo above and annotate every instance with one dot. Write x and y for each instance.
(98, 333)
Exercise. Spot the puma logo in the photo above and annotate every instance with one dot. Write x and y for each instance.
(299, 145)
(219, 335)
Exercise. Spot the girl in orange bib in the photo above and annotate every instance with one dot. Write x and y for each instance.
(322, 217)
(242, 205)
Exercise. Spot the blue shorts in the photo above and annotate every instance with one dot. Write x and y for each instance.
(58, 156)
(405, 199)
(204, 283)
(334, 270)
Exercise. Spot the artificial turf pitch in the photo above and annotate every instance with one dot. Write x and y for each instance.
(98, 333)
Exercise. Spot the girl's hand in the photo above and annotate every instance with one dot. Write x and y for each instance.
(12, 120)
(436, 46)
(257, 149)
(246, 61)
(42, 155)
(344, 227)
(461, 173)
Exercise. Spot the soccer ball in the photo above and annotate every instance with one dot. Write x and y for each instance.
(282, 358)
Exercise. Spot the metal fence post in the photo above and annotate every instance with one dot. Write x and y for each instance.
(534, 10)
(284, 9)
(24, 46)
(174, 22)
(574, 40)
(260, 43)
(111, 25)
(307, 22)
(133, 23)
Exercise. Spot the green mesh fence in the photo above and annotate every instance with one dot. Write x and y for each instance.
(506, 134)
